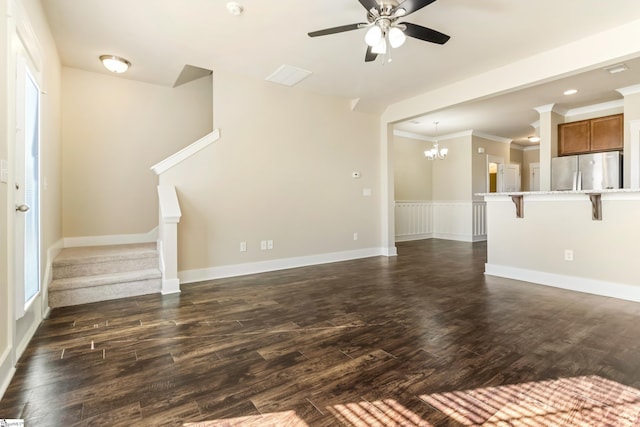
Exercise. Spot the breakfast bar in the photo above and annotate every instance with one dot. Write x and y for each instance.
(587, 241)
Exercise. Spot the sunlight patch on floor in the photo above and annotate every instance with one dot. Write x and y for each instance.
(579, 401)
(568, 402)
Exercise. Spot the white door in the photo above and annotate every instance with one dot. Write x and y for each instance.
(27, 187)
(534, 176)
(509, 178)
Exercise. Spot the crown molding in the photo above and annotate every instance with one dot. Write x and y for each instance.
(629, 90)
(412, 135)
(550, 108)
(618, 103)
(492, 137)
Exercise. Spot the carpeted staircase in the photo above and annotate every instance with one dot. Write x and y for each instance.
(97, 273)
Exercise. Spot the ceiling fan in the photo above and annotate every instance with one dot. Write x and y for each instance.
(385, 30)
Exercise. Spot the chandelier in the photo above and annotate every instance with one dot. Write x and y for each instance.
(436, 153)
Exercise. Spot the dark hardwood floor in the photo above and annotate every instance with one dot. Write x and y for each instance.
(419, 339)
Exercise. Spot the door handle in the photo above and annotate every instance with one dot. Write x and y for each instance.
(22, 208)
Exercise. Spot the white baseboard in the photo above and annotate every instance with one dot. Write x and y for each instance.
(115, 239)
(412, 237)
(7, 371)
(456, 237)
(170, 286)
(572, 283)
(200, 275)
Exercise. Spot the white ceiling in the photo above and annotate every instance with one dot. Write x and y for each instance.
(161, 36)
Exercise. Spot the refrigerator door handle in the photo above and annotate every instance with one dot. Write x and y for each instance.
(579, 181)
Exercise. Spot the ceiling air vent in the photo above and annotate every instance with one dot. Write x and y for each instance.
(288, 75)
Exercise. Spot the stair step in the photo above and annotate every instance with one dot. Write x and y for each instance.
(98, 260)
(103, 279)
(98, 273)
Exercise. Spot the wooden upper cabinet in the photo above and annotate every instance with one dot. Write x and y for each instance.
(588, 136)
(607, 133)
(573, 138)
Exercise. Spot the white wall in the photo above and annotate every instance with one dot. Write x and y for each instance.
(281, 171)
(114, 130)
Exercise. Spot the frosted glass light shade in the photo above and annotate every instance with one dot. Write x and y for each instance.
(396, 37)
(373, 36)
(380, 48)
(115, 64)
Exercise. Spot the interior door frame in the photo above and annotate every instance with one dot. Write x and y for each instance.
(22, 41)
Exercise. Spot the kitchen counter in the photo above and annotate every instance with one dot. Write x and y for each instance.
(587, 241)
(547, 193)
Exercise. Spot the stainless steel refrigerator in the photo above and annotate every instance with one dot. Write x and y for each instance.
(595, 171)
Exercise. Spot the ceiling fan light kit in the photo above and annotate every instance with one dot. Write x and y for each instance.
(384, 29)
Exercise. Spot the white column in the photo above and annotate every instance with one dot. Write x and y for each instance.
(170, 215)
(550, 117)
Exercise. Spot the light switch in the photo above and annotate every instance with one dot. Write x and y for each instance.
(366, 192)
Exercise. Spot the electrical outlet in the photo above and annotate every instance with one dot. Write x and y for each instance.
(263, 245)
(243, 246)
(269, 244)
(568, 254)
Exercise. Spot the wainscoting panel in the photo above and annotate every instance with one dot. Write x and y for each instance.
(451, 220)
(479, 221)
(414, 220)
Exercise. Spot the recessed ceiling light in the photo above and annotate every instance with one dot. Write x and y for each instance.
(618, 68)
(571, 92)
(115, 64)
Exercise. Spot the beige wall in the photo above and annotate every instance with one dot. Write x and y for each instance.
(114, 130)
(281, 171)
(528, 156)
(515, 156)
(452, 177)
(12, 333)
(479, 161)
(412, 170)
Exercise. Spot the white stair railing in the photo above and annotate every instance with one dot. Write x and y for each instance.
(170, 213)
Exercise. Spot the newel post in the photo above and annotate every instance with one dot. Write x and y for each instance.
(170, 215)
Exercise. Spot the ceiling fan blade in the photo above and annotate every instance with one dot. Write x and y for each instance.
(426, 34)
(411, 6)
(370, 56)
(335, 30)
(369, 4)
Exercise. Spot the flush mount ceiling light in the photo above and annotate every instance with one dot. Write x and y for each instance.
(534, 139)
(571, 92)
(436, 153)
(115, 64)
(234, 8)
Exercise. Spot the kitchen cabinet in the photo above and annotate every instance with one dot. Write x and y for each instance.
(589, 136)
